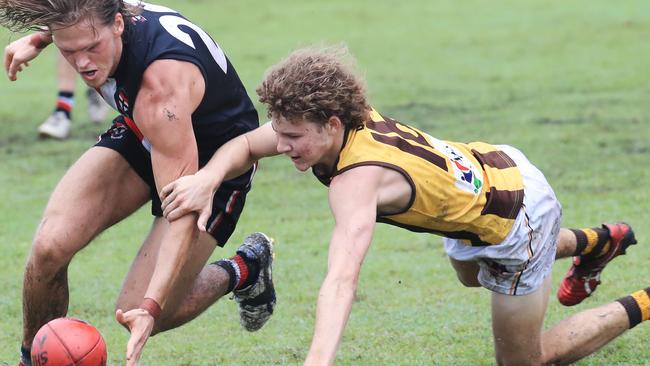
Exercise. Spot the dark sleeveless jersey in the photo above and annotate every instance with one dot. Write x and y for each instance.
(161, 33)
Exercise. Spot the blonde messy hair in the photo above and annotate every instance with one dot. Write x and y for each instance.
(22, 15)
(316, 83)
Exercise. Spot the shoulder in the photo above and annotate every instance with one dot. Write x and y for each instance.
(358, 177)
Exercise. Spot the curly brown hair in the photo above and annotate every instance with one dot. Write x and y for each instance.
(22, 15)
(316, 83)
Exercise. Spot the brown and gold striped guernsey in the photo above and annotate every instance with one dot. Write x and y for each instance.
(468, 191)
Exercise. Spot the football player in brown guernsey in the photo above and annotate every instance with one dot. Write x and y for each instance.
(498, 215)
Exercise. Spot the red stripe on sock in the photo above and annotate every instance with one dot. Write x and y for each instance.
(243, 270)
(64, 106)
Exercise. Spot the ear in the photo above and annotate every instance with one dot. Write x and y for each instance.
(118, 25)
(334, 124)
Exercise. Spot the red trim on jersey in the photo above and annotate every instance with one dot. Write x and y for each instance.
(134, 128)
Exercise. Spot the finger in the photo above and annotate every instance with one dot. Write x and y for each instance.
(13, 69)
(130, 352)
(171, 196)
(8, 57)
(166, 190)
(169, 211)
(11, 72)
(165, 208)
(119, 316)
(203, 219)
(130, 358)
(177, 213)
(134, 347)
(168, 203)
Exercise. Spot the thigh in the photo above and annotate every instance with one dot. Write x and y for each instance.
(517, 326)
(98, 190)
(467, 272)
(121, 139)
(227, 205)
(137, 280)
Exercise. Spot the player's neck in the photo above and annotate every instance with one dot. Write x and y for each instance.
(332, 156)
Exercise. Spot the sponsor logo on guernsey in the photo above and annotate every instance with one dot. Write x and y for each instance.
(139, 18)
(468, 177)
(122, 102)
(118, 130)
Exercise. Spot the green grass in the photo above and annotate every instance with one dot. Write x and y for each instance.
(566, 82)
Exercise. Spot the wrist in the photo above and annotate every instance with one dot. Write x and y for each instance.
(211, 179)
(151, 306)
(40, 40)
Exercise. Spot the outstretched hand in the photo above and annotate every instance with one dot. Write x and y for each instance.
(140, 324)
(191, 193)
(18, 54)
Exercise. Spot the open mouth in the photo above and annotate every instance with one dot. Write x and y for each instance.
(89, 74)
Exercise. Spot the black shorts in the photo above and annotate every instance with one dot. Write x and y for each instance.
(227, 202)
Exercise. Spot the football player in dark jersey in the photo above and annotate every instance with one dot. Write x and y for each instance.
(497, 213)
(179, 99)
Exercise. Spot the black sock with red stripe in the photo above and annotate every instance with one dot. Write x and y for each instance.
(25, 357)
(637, 306)
(65, 102)
(243, 271)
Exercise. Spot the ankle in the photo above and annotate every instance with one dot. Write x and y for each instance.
(591, 243)
(242, 271)
(25, 356)
(637, 306)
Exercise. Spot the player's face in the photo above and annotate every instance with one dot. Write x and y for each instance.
(307, 143)
(93, 49)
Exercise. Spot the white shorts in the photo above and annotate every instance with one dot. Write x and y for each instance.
(519, 264)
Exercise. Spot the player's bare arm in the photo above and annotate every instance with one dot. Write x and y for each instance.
(21, 51)
(353, 199)
(193, 192)
(171, 90)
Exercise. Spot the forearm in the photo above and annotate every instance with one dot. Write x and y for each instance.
(230, 161)
(238, 155)
(332, 313)
(174, 251)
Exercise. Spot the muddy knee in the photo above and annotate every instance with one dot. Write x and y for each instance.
(53, 247)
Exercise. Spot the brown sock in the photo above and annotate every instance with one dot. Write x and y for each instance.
(637, 306)
(592, 243)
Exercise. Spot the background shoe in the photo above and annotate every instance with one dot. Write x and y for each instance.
(97, 107)
(57, 126)
(257, 301)
(584, 275)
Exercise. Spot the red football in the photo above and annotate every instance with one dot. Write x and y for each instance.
(68, 342)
